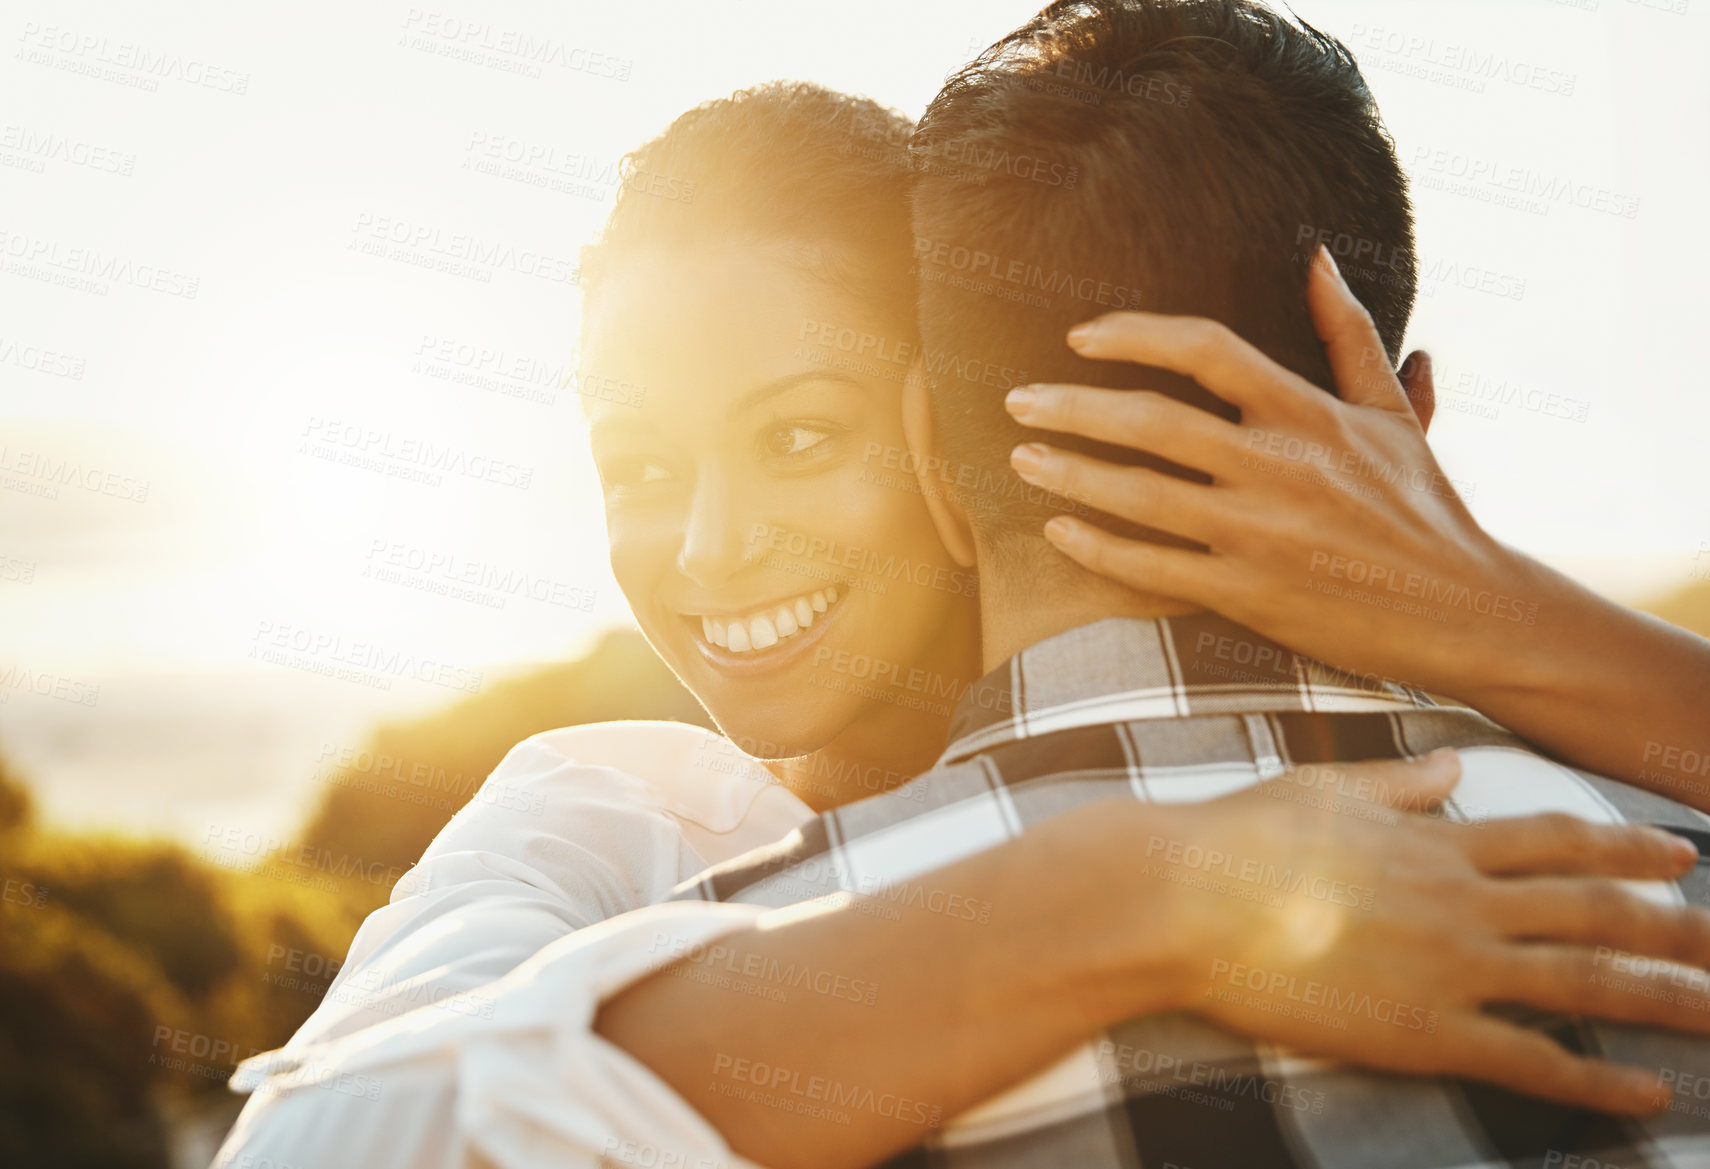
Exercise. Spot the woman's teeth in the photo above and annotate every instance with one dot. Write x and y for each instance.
(767, 628)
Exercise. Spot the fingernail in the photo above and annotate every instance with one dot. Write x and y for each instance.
(1682, 848)
(1059, 531)
(1335, 269)
(1027, 459)
(1439, 759)
(1019, 401)
(1647, 1087)
(1082, 333)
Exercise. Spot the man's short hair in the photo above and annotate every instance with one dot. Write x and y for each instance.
(1177, 156)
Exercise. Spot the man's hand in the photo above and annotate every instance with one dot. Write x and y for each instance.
(1330, 923)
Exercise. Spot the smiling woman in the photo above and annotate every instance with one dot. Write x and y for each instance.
(743, 490)
(738, 443)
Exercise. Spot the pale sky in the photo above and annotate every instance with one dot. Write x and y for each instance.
(353, 123)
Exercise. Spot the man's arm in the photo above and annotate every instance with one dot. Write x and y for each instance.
(1083, 933)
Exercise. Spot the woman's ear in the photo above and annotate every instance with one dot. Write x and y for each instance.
(1421, 390)
(948, 514)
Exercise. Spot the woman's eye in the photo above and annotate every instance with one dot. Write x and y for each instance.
(785, 441)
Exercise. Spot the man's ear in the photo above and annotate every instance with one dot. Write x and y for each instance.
(948, 514)
(1421, 390)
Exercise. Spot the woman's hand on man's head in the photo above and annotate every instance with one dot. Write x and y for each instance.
(1328, 525)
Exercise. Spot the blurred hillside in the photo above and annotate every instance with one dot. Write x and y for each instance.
(134, 975)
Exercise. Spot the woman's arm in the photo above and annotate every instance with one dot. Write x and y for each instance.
(1331, 528)
(1602, 686)
(965, 1008)
(556, 839)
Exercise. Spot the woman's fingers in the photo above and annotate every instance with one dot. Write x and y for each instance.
(1600, 913)
(1202, 349)
(1138, 494)
(1573, 980)
(1531, 1064)
(1149, 568)
(1557, 843)
(1409, 785)
(1140, 419)
(1357, 357)
(1420, 385)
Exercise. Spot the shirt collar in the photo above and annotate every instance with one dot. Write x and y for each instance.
(1127, 668)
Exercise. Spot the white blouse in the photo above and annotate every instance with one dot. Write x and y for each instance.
(460, 1025)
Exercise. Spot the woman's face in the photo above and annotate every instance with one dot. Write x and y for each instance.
(762, 525)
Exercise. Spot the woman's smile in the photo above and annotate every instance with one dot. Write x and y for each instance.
(765, 638)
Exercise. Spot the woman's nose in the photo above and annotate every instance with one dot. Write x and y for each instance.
(714, 546)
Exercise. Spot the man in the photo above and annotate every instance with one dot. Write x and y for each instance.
(1221, 141)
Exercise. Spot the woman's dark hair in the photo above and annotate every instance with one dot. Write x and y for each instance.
(787, 162)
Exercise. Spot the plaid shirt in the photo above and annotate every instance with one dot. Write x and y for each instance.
(1190, 708)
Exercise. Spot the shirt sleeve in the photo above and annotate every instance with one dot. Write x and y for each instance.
(510, 1075)
(547, 846)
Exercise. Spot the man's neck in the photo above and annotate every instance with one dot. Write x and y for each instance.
(1017, 611)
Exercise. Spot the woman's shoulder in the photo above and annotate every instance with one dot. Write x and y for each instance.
(628, 742)
(695, 775)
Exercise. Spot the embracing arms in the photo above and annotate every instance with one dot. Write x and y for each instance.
(1331, 528)
(910, 1016)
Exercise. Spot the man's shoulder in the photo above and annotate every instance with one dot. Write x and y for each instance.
(981, 797)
